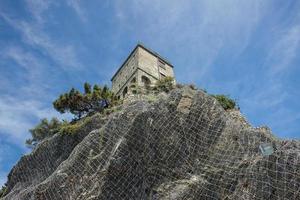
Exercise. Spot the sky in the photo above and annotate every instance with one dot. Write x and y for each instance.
(249, 50)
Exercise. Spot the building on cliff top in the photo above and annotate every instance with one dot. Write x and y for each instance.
(142, 68)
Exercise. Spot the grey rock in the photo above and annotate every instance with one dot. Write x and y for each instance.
(182, 145)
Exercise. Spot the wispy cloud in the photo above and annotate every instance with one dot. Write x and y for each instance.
(2, 178)
(3, 174)
(18, 113)
(7, 155)
(270, 92)
(284, 51)
(280, 56)
(37, 8)
(202, 28)
(17, 117)
(33, 33)
(62, 54)
(78, 8)
(34, 72)
(23, 59)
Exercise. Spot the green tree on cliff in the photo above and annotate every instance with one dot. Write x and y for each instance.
(3, 191)
(80, 104)
(43, 130)
(87, 88)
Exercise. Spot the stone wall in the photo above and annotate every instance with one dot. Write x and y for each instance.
(141, 73)
(125, 73)
(153, 66)
(141, 64)
(148, 63)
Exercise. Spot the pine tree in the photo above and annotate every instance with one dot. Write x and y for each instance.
(43, 130)
(87, 88)
(81, 104)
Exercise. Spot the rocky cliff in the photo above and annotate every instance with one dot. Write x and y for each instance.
(180, 145)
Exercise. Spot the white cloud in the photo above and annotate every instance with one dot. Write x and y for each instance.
(33, 34)
(284, 50)
(269, 90)
(3, 178)
(5, 154)
(281, 54)
(37, 8)
(203, 28)
(16, 117)
(18, 112)
(23, 59)
(34, 72)
(76, 5)
(64, 55)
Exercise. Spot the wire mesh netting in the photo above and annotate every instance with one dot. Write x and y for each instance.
(182, 146)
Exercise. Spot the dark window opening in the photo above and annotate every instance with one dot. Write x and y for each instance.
(162, 76)
(146, 81)
(161, 64)
(133, 80)
(125, 91)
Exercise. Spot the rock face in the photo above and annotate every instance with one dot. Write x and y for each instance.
(180, 146)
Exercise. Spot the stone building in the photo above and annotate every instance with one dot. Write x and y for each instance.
(142, 68)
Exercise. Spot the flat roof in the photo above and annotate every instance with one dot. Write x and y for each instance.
(148, 50)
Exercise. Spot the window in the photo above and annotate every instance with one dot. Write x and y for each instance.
(133, 80)
(125, 91)
(161, 64)
(162, 76)
(145, 81)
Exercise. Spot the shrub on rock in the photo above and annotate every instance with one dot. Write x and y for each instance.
(225, 101)
(165, 85)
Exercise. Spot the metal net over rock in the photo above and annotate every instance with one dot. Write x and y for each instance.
(181, 145)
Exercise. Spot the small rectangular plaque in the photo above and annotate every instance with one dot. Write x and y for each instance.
(266, 149)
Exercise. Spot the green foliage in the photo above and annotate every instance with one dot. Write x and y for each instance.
(87, 88)
(69, 129)
(166, 84)
(226, 101)
(94, 99)
(43, 130)
(135, 88)
(152, 98)
(3, 191)
(79, 104)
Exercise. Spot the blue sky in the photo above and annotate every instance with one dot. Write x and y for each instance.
(248, 49)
